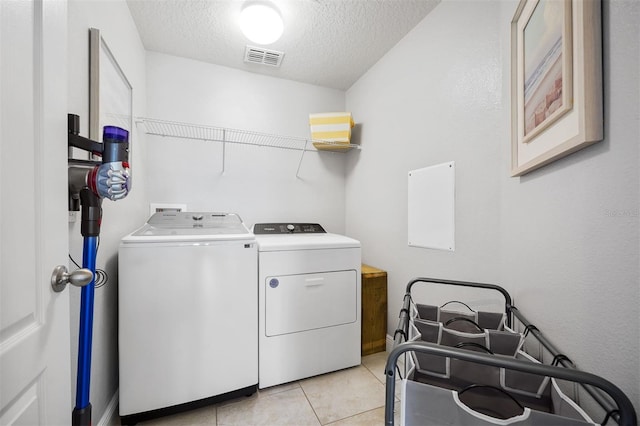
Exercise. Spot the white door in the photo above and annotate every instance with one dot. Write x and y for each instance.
(34, 321)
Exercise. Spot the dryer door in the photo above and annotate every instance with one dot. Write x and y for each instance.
(296, 303)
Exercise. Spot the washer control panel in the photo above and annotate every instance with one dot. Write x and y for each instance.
(288, 228)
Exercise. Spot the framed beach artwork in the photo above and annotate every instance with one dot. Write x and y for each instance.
(556, 81)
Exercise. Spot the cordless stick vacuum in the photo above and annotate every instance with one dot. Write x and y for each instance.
(108, 179)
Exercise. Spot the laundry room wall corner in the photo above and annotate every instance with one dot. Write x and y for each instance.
(419, 110)
(258, 183)
(116, 26)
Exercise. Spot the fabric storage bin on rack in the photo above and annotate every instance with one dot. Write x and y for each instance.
(475, 330)
(475, 385)
(454, 374)
(427, 404)
(460, 320)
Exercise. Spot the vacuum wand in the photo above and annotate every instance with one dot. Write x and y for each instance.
(109, 179)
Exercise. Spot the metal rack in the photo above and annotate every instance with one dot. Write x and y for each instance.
(613, 401)
(239, 137)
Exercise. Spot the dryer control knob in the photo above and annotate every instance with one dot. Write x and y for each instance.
(290, 228)
(197, 217)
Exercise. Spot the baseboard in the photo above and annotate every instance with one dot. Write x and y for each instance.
(110, 416)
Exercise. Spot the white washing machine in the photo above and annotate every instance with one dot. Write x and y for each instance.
(188, 319)
(309, 301)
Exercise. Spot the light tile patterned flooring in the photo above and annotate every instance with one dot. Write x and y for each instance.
(354, 396)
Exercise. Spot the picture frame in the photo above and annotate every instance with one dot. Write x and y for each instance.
(556, 81)
(110, 92)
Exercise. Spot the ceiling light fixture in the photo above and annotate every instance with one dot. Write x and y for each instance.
(261, 23)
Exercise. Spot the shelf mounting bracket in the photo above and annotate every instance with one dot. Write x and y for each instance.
(224, 148)
(306, 142)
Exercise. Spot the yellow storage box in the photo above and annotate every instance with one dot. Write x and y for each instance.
(332, 127)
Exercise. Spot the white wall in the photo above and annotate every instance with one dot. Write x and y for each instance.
(434, 98)
(259, 184)
(569, 232)
(114, 21)
(563, 240)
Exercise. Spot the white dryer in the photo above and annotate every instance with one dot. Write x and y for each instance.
(309, 301)
(188, 307)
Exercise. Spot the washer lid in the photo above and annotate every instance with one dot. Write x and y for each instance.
(177, 226)
(188, 220)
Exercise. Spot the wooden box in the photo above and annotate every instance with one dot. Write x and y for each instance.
(374, 310)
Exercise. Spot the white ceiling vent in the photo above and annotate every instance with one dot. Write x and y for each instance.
(257, 55)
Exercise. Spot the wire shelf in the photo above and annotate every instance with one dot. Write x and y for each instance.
(235, 136)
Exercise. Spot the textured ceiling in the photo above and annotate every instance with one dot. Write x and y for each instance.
(329, 43)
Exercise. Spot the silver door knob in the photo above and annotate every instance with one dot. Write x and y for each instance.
(61, 277)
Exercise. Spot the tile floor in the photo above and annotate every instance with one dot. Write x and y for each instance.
(354, 396)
